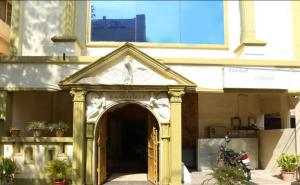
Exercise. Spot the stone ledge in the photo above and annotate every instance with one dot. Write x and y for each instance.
(64, 39)
(36, 139)
(246, 43)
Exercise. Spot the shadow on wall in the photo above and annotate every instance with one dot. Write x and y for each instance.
(272, 144)
(41, 20)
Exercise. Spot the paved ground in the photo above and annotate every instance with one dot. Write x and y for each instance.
(128, 179)
(128, 183)
(259, 177)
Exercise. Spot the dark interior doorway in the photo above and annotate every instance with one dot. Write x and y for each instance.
(272, 121)
(127, 140)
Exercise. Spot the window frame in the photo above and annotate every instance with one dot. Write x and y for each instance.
(90, 43)
(7, 2)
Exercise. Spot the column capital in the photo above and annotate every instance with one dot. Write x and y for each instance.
(175, 95)
(78, 95)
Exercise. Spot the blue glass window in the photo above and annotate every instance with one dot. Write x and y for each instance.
(187, 22)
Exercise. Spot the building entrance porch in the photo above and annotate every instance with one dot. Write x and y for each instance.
(126, 76)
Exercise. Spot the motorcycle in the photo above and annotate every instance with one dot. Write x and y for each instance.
(227, 156)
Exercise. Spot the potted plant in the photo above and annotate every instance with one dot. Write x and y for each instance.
(58, 128)
(288, 164)
(36, 127)
(15, 132)
(58, 170)
(7, 170)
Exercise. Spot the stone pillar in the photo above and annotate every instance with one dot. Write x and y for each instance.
(247, 20)
(297, 125)
(165, 137)
(15, 28)
(78, 162)
(89, 153)
(297, 130)
(285, 111)
(67, 38)
(176, 148)
(249, 44)
(296, 27)
(68, 22)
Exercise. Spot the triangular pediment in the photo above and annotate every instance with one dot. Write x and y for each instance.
(126, 66)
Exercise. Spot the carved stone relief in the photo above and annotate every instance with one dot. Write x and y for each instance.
(98, 103)
(160, 105)
(127, 72)
(95, 104)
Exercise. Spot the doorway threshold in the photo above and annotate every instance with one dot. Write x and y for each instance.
(121, 177)
(128, 183)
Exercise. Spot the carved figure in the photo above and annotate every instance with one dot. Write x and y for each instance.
(160, 106)
(95, 104)
(129, 73)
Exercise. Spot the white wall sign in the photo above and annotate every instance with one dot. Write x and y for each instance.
(238, 77)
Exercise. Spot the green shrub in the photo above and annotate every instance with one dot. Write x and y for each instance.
(7, 170)
(59, 125)
(58, 169)
(288, 162)
(229, 175)
(36, 125)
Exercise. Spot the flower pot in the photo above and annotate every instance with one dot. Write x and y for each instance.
(59, 182)
(287, 176)
(15, 132)
(59, 132)
(37, 132)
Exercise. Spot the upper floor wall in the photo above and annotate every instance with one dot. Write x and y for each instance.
(252, 30)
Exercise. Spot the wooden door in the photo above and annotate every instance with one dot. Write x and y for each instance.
(152, 150)
(102, 149)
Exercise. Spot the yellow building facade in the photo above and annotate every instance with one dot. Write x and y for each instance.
(152, 102)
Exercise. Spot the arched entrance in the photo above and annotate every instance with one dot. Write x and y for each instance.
(127, 138)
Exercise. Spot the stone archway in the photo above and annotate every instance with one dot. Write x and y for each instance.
(109, 123)
(98, 103)
(84, 129)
